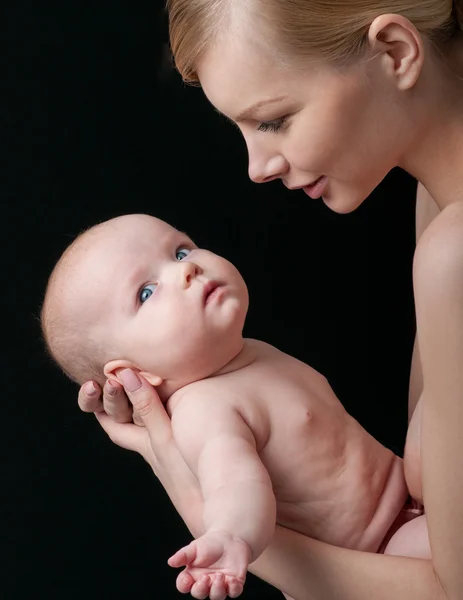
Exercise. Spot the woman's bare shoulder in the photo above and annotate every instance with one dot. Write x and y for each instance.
(426, 210)
(439, 251)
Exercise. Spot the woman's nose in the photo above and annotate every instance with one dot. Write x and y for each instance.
(263, 170)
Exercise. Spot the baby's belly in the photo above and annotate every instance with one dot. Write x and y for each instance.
(354, 517)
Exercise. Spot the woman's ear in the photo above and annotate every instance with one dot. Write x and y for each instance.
(400, 47)
(114, 367)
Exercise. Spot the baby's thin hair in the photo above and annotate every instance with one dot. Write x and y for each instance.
(70, 344)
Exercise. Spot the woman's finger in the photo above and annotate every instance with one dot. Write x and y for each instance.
(115, 402)
(148, 407)
(90, 399)
(125, 435)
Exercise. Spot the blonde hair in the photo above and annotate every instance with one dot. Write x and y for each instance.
(332, 29)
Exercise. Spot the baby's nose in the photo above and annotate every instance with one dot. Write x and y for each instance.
(188, 271)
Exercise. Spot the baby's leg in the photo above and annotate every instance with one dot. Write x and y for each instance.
(411, 540)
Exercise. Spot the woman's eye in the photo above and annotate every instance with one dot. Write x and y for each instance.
(147, 291)
(273, 126)
(182, 253)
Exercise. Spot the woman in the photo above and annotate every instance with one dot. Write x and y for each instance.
(329, 98)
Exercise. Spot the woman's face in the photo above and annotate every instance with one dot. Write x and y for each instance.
(300, 124)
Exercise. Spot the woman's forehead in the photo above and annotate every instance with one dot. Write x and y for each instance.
(235, 76)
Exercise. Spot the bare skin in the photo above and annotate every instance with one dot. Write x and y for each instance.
(429, 145)
(264, 434)
(415, 533)
(279, 440)
(427, 210)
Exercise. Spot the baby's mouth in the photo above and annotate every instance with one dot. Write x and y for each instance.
(209, 289)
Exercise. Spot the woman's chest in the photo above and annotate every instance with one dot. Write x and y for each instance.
(412, 454)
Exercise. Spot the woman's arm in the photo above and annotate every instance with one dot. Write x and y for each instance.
(307, 569)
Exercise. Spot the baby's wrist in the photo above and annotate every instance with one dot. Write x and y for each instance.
(225, 535)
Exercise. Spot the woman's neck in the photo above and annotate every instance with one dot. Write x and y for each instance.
(435, 158)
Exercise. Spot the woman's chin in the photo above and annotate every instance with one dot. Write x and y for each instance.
(344, 203)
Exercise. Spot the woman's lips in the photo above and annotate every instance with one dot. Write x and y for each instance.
(316, 189)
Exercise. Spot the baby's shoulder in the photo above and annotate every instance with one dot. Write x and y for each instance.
(207, 395)
(284, 365)
(265, 354)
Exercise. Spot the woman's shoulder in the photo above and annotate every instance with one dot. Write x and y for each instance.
(426, 210)
(439, 252)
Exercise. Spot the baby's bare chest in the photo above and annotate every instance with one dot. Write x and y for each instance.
(313, 450)
(327, 472)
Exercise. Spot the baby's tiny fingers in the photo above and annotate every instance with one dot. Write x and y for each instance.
(184, 582)
(218, 587)
(185, 556)
(235, 587)
(200, 589)
(179, 559)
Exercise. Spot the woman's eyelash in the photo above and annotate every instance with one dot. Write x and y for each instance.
(273, 126)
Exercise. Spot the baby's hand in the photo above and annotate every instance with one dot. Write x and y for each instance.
(216, 565)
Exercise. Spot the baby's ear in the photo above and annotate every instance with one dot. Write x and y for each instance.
(113, 368)
(155, 380)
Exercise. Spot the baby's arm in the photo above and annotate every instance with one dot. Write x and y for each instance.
(239, 505)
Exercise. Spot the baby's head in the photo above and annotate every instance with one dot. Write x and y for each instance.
(134, 292)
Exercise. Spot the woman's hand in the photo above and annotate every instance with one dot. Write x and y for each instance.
(112, 400)
(151, 437)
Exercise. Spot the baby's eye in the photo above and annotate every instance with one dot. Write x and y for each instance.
(147, 291)
(182, 253)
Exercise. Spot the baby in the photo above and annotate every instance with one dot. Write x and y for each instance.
(263, 432)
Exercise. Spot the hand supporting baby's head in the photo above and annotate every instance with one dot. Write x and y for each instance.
(134, 292)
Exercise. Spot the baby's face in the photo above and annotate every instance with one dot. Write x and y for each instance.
(176, 311)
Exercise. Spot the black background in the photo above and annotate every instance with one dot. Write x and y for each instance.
(94, 124)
